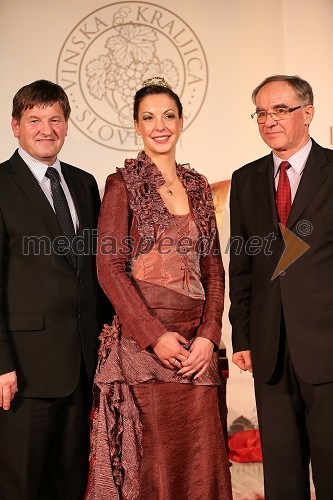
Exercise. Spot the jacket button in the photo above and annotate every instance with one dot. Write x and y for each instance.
(282, 273)
(79, 280)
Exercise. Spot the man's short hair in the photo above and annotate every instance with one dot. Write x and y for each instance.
(301, 87)
(40, 93)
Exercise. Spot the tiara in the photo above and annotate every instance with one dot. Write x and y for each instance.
(156, 80)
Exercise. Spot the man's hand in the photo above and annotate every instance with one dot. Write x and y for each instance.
(8, 389)
(243, 360)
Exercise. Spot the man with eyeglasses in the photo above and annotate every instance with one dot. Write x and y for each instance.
(282, 308)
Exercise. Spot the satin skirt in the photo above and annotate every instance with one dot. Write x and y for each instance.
(184, 442)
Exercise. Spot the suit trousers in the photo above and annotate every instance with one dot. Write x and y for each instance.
(44, 447)
(295, 427)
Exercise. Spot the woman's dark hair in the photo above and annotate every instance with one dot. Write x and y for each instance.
(40, 93)
(152, 90)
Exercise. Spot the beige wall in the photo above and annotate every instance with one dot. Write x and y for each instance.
(244, 41)
(295, 36)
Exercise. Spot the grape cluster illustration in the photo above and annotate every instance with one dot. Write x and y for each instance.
(131, 58)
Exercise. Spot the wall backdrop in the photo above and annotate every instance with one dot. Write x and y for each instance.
(213, 53)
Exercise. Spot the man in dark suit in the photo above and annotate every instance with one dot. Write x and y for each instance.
(283, 326)
(49, 305)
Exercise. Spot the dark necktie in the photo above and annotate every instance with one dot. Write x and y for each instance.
(61, 209)
(283, 193)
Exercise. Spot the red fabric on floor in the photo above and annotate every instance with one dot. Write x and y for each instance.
(245, 446)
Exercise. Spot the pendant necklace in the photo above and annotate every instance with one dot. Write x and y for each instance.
(169, 192)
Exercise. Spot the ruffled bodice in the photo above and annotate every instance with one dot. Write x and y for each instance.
(143, 180)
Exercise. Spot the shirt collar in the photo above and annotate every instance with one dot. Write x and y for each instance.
(297, 160)
(37, 167)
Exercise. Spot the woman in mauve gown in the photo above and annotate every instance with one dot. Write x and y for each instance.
(159, 415)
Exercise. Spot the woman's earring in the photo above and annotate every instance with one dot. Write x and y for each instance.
(139, 143)
(180, 140)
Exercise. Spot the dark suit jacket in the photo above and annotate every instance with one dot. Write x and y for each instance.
(49, 311)
(304, 292)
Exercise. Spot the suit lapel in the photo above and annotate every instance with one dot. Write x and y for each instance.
(81, 204)
(73, 183)
(265, 188)
(312, 179)
(24, 178)
(26, 181)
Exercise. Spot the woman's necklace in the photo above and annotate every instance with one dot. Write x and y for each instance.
(169, 192)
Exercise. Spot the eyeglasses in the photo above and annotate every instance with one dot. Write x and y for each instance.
(277, 115)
